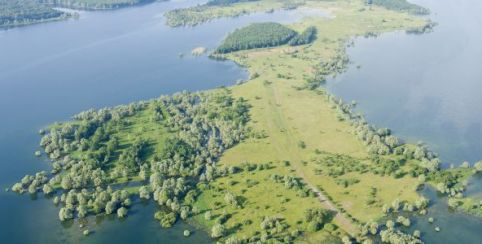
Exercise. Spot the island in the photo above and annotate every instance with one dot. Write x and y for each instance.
(276, 158)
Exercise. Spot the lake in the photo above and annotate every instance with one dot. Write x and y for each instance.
(424, 87)
(51, 71)
(427, 87)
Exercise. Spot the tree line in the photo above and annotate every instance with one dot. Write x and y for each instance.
(23, 12)
(262, 35)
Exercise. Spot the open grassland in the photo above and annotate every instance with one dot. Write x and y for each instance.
(293, 124)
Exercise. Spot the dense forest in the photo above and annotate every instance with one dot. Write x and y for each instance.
(23, 12)
(306, 37)
(94, 4)
(400, 5)
(256, 35)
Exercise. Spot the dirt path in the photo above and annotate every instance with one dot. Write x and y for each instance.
(289, 146)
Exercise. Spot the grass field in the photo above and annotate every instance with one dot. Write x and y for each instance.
(286, 116)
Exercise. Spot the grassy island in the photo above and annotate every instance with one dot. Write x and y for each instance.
(274, 159)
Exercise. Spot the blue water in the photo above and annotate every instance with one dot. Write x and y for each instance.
(424, 87)
(51, 71)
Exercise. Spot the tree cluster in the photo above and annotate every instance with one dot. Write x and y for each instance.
(89, 158)
(315, 219)
(257, 35)
(306, 37)
(23, 12)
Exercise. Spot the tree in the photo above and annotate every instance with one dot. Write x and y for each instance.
(218, 231)
(392, 141)
(66, 183)
(122, 212)
(306, 37)
(18, 188)
(207, 215)
(144, 193)
(82, 211)
(478, 166)
(47, 189)
(230, 198)
(184, 213)
(65, 214)
(390, 224)
(32, 188)
(110, 207)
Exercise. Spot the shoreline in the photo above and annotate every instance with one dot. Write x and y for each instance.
(250, 71)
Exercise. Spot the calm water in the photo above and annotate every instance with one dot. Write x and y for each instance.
(427, 87)
(51, 71)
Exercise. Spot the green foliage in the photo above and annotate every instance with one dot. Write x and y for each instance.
(258, 35)
(306, 37)
(226, 2)
(23, 12)
(122, 212)
(133, 155)
(166, 219)
(218, 231)
(395, 236)
(316, 218)
(100, 149)
(401, 5)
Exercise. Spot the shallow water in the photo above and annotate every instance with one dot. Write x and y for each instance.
(51, 71)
